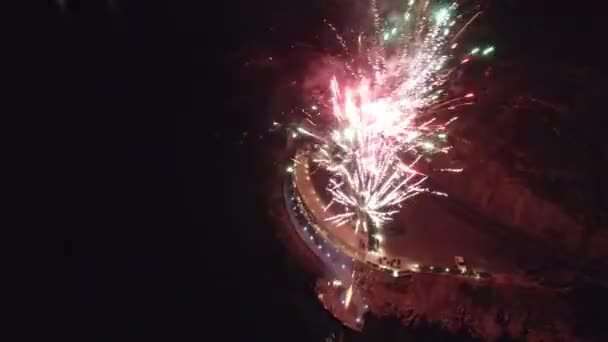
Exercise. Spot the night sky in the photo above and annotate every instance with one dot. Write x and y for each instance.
(141, 204)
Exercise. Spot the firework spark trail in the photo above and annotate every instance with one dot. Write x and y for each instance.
(379, 133)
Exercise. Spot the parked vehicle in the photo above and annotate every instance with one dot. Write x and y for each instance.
(459, 261)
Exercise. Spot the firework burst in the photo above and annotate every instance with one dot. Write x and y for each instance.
(388, 115)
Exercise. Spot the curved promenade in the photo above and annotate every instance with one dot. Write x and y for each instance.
(338, 262)
(307, 209)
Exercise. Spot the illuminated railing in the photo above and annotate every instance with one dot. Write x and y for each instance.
(337, 258)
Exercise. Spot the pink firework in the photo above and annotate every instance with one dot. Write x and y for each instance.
(384, 118)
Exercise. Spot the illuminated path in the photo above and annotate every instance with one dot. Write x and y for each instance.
(348, 308)
(340, 264)
(342, 237)
(434, 235)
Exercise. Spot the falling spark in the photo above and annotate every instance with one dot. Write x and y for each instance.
(348, 297)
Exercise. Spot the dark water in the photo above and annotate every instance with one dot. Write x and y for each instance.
(148, 201)
(152, 203)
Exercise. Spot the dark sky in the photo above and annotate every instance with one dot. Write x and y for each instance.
(141, 216)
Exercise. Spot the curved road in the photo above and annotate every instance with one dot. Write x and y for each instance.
(432, 235)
